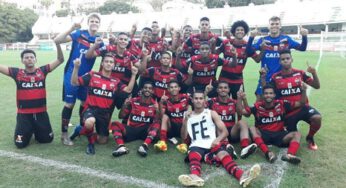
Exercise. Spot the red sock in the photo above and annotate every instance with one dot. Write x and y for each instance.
(244, 142)
(293, 147)
(163, 135)
(261, 145)
(195, 163)
(231, 167)
(314, 127)
(118, 129)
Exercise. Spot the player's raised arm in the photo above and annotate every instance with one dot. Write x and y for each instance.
(4, 70)
(59, 59)
(126, 108)
(145, 59)
(129, 87)
(242, 105)
(222, 130)
(65, 36)
(316, 82)
(91, 53)
(74, 78)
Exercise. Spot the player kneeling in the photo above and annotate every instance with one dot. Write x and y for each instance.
(173, 108)
(201, 126)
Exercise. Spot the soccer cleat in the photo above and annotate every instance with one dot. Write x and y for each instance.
(65, 139)
(250, 175)
(248, 150)
(173, 140)
(76, 132)
(120, 150)
(182, 148)
(311, 143)
(143, 150)
(191, 180)
(291, 159)
(161, 146)
(90, 150)
(230, 149)
(270, 156)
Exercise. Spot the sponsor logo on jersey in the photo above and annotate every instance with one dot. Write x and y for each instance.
(32, 84)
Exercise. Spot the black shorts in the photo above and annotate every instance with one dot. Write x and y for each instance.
(174, 130)
(37, 124)
(136, 133)
(230, 138)
(274, 138)
(305, 114)
(102, 118)
(201, 151)
(121, 97)
(234, 88)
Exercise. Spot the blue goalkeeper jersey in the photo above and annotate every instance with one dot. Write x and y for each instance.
(81, 42)
(271, 56)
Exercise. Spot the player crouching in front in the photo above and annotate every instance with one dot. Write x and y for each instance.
(102, 91)
(201, 126)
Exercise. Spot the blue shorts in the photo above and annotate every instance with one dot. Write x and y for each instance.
(70, 92)
(259, 88)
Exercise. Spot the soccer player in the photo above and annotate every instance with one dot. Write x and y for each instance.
(269, 123)
(32, 116)
(172, 107)
(225, 106)
(136, 46)
(162, 75)
(102, 91)
(143, 122)
(157, 45)
(122, 61)
(234, 75)
(192, 44)
(81, 42)
(287, 84)
(274, 42)
(204, 68)
(201, 126)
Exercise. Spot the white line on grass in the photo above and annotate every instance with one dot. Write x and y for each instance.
(83, 170)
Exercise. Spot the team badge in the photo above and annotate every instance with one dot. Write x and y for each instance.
(271, 114)
(297, 81)
(275, 48)
(205, 69)
(150, 111)
(104, 86)
(177, 110)
(230, 108)
(112, 86)
(117, 64)
(164, 80)
(32, 79)
(143, 113)
(289, 85)
(224, 112)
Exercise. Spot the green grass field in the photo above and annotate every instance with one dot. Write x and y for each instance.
(323, 168)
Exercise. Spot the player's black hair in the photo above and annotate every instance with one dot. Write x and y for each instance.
(222, 82)
(147, 29)
(285, 51)
(275, 18)
(27, 51)
(173, 81)
(148, 82)
(239, 23)
(268, 86)
(107, 55)
(204, 19)
(185, 26)
(154, 22)
(198, 91)
(204, 43)
(122, 33)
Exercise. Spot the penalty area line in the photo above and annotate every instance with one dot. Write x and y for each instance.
(83, 170)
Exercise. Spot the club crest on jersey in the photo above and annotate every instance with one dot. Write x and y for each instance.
(150, 112)
(276, 48)
(271, 114)
(111, 86)
(177, 110)
(224, 112)
(205, 69)
(32, 79)
(164, 80)
(142, 113)
(104, 86)
(289, 85)
(297, 81)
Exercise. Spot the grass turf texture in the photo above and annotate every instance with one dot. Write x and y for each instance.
(323, 168)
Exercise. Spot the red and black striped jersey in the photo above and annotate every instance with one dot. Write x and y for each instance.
(233, 75)
(288, 86)
(141, 114)
(135, 48)
(271, 119)
(193, 43)
(156, 48)
(101, 90)
(175, 109)
(203, 72)
(227, 111)
(122, 64)
(161, 79)
(31, 89)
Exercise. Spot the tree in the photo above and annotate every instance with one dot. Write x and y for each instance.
(157, 4)
(117, 7)
(16, 24)
(62, 13)
(214, 3)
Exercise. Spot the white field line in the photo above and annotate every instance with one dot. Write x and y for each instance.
(83, 170)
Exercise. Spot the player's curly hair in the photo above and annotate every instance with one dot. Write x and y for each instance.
(239, 23)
